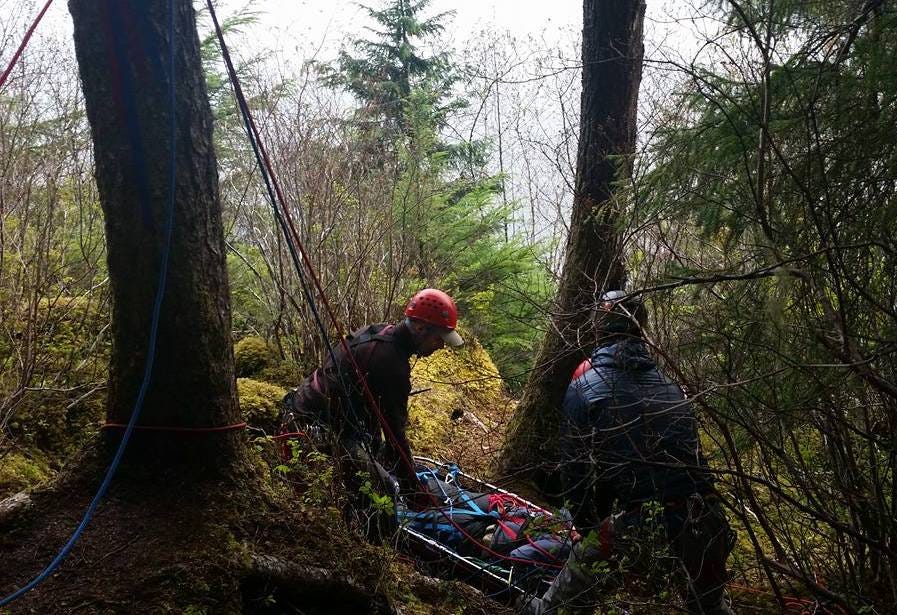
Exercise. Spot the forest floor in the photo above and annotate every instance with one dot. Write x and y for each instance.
(265, 538)
(170, 545)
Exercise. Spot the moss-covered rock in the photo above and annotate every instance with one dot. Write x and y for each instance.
(462, 410)
(252, 355)
(19, 472)
(285, 374)
(260, 403)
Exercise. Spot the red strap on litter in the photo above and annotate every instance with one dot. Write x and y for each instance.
(502, 502)
(233, 427)
(15, 57)
(507, 529)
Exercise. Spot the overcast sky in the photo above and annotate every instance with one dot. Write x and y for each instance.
(292, 31)
(326, 21)
(318, 27)
(314, 24)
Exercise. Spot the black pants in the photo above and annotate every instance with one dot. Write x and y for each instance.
(701, 540)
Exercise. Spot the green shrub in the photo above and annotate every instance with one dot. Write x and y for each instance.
(251, 356)
(65, 394)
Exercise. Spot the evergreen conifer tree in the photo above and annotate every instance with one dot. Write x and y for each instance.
(391, 65)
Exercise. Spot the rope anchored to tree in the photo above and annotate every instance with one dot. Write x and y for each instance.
(153, 335)
(218, 429)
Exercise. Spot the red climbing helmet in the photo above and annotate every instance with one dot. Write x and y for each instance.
(436, 308)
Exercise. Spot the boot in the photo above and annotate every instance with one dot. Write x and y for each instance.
(569, 590)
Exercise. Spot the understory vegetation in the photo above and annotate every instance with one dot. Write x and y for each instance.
(759, 227)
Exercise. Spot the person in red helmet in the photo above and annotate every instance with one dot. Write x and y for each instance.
(334, 395)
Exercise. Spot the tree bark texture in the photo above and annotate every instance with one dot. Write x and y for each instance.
(612, 50)
(122, 50)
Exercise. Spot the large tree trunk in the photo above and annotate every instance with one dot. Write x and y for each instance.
(122, 48)
(612, 60)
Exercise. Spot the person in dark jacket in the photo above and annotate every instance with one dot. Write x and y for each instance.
(631, 452)
(359, 410)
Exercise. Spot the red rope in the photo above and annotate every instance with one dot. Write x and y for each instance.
(372, 402)
(233, 427)
(18, 53)
(294, 235)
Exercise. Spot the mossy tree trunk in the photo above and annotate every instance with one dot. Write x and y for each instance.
(612, 52)
(122, 50)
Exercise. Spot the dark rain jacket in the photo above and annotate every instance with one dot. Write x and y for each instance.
(629, 435)
(383, 354)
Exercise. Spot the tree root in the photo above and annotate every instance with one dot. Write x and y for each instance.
(310, 589)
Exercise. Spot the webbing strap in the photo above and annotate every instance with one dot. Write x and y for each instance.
(352, 344)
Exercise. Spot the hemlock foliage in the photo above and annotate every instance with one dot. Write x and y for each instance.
(775, 171)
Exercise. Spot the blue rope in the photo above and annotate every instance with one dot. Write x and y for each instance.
(151, 349)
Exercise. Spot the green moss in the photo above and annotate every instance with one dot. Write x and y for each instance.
(19, 472)
(50, 420)
(286, 374)
(464, 408)
(428, 428)
(251, 356)
(260, 403)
